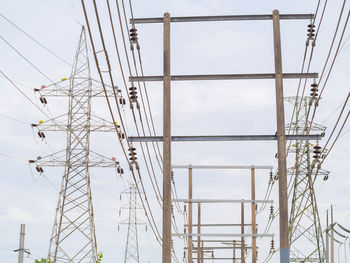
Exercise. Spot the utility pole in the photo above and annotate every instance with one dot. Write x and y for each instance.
(234, 251)
(332, 236)
(253, 215)
(21, 250)
(199, 249)
(327, 239)
(278, 75)
(242, 232)
(167, 204)
(281, 141)
(189, 215)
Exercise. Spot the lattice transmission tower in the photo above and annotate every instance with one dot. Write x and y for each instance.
(132, 246)
(73, 236)
(305, 234)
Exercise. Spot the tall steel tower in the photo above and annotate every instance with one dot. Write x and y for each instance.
(132, 247)
(305, 235)
(73, 236)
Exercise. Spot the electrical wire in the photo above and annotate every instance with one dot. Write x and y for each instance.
(154, 229)
(36, 41)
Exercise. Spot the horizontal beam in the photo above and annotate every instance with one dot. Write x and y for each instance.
(195, 225)
(228, 167)
(224, 77)
(216, 258)
(218, 18)
(220, 235)
(238, 241)
(212, 248)
(222, 201)
(223, 138)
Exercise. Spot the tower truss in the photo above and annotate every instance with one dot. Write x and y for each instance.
(305, 235)
(73, 236)
(132, 247)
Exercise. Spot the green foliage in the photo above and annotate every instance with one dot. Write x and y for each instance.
(99, 257)
(42, 260)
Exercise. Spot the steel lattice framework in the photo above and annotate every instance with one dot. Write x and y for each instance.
(73, 236)
(305, 235)
(74, 214)
(132, 247)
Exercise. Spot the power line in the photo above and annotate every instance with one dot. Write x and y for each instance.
(36, 41)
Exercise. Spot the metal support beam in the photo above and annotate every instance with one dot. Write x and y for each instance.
(151, 20)
(227, 167)
(199, 254)
(281, 141)
(166, 247)
(218, 225)
(189, 240)
(224, 77)
(242, 234)
(224, 138)
(229, 201)
(218, 258)
(253, 207)
(207, 248)
(220, 235)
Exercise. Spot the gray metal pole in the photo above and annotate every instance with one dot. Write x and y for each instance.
(21, 244)
(327, 240)
(166, 249)
(242, 232)
(281, 142)
(332, 236)
(190, 215)
(199, 231)
(253, 215)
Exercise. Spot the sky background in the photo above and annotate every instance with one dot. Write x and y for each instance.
(198, 108)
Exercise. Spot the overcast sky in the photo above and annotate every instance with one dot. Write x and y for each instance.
(199, 108)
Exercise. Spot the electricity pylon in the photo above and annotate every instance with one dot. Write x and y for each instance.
(305, 235)
(73, 236)
(132, 247)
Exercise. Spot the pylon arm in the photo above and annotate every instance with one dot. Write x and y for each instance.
(58, 160)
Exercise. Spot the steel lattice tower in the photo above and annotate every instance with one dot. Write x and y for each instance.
(132, 247)
(305, 235)
(74, 214)
(73, 236)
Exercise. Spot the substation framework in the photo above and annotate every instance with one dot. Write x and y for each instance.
(281, 137)
(202, 248)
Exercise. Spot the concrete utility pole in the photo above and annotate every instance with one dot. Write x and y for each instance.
(166, 249)
(281, 141)
(21, 244)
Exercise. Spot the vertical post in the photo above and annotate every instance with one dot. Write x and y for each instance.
(166, 249)
(242, 232)
(253, 215)
(234, 251)
(332, 236)
(199, 231)
(21, 244)
(327, 239)
(202, 252)
(281, 141)
(189, 245)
